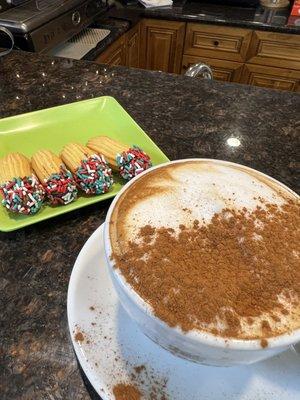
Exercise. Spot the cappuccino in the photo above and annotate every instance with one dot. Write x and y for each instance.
(211, 246)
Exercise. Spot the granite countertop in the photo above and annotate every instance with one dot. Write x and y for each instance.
(260, 18)
(186, 117)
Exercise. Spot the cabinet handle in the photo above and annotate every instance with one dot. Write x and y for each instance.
(216, 43)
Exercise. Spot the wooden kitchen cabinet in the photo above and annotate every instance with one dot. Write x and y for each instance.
(220, 42)
(124, 51)
(115, 54)
(133, 47)
(257, 58)
(275, 49)
(162, 45)
(271, 77)
(223, 70)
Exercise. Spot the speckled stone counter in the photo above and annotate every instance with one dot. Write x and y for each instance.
(186, 118)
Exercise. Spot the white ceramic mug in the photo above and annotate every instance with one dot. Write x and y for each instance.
(197, 346)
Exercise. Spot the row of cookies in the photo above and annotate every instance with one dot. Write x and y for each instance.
(25, 185)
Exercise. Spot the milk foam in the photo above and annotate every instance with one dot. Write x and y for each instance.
(194, 191)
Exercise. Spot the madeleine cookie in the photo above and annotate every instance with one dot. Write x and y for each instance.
(58, 182)
(21, 191)
(129, 161)
(91, 172)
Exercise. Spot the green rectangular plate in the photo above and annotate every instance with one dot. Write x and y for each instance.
(53, 128)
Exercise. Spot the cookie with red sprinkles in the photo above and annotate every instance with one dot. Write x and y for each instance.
(132, 162)
(128, 161)
(22, 195)
(94, 176)
(20, 190)
(57, 180)
(91, 172)
(61, 188)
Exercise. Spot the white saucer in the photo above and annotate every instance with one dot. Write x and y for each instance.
(114, 346)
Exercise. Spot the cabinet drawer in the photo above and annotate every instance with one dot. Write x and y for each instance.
(275, 49)
(217, 42)
(227, 71)
(271, 77)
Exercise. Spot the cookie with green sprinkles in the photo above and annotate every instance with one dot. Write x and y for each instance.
(91, 172)
(20, 189)
(94, 175)
(58, 182)
(61, 188)
(129, 161)
(22, 195)
(132, 162)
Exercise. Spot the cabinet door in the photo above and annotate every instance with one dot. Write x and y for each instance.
(221, 42)
(133, 47)
(275, 49)
(270, 77)
(115, 54)
(162, 45)
(227, 71)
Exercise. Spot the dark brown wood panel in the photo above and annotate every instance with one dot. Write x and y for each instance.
(115, 54)
(162, 45)
(133, 47)
(219, 42)
(271, 77)
(227, 71)
(275, 49)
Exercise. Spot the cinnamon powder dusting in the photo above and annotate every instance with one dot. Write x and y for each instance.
(211, 276)
(79, 336)
(124, 391)
(264, 343)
